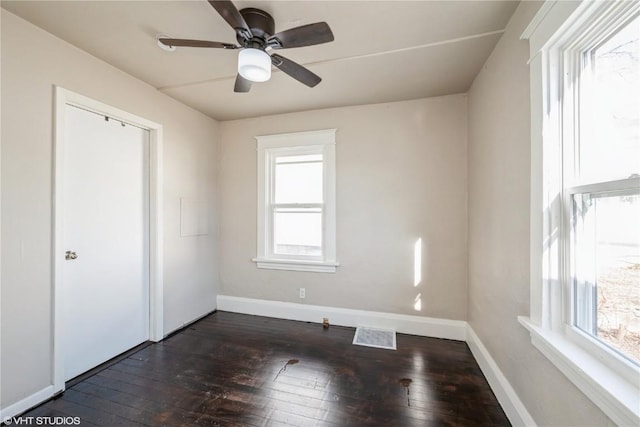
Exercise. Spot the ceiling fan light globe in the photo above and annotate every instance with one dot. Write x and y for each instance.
(254, 65)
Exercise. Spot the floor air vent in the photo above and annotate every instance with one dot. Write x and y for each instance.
(379, 338)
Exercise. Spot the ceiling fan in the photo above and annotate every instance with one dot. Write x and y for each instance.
(255, 30)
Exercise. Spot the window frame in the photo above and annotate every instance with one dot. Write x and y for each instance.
(559, 35)
(270, 147)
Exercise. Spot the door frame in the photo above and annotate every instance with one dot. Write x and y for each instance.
(64, 97)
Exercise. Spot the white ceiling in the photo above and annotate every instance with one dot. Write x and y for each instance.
(383, 50)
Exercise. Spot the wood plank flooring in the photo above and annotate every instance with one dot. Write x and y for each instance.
(237, 370)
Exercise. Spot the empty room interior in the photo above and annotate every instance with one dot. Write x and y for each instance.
(331, 213)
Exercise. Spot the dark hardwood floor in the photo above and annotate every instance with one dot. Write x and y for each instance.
(238, 370)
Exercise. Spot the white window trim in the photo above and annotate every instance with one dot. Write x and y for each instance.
(609, 380)
(326, 139)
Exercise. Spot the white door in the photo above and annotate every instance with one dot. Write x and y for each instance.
(105, 295)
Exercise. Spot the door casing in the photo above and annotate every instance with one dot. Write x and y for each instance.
(156, 333)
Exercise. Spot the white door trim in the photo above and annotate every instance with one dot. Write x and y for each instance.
(62, 98)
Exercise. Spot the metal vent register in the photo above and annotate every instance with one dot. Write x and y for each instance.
(379, 338)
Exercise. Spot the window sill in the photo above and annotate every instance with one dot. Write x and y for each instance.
(296, 265)
(616, 396)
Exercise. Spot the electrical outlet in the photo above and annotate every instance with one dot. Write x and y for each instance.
(303, 293)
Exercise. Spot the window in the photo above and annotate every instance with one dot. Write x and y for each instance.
(585, 204)
(296, 201)
(602, 186)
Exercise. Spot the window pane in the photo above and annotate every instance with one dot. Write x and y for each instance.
(298, 231)
(298, 179)
(610, 111)
(607, 268)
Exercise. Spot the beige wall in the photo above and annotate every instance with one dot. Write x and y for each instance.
(401, 173)
(32, 62)
(499, 169)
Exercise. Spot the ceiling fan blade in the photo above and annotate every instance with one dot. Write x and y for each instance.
(297, 71)
(196, 43)
(306, 35)
(242, 85)
(230, 13)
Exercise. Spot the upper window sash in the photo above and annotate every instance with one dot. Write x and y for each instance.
(582, 120)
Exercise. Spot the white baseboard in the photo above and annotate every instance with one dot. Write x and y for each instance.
(406, 324)
(506, 395)
(26, 403)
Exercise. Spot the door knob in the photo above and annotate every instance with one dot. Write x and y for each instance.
(69, 255)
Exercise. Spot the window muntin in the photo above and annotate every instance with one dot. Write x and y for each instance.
(601, 194)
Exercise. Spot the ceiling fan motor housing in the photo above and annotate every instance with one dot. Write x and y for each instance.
(262, 27)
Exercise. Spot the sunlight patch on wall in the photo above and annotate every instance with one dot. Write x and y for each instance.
(417, 262)
(417, 303)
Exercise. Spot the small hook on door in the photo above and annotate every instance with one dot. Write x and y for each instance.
(70, 255)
